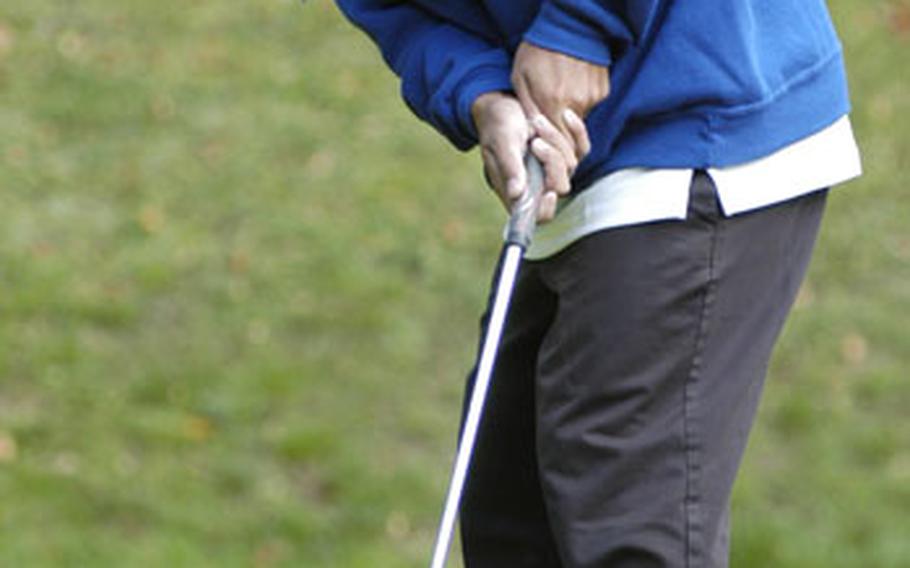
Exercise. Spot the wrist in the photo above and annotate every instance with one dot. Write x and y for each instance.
(482, 104)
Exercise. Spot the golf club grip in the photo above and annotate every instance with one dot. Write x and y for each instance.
(524, 213)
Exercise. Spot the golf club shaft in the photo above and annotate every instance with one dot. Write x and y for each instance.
(521, 227)
(508, 271)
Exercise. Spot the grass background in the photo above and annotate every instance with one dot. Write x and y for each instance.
(239, 287)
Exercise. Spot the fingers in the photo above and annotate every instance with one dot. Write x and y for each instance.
(578, 132)
(561, 127)
(552, 136)
(503, 131)
(512, 168)
(554, 114)
(556, 171)
(491, 171)
(505, 174)
(546, 209)
(554, 84)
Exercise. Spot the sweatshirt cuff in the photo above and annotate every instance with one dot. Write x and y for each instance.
(485, 79)
(570, 31)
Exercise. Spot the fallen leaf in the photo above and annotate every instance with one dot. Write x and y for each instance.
(43, 249)
(213, 152)
(163, 107)
(66, 463)
(239, 261)
(453, 230)
(16, 155)
(198, 428)
(9, 450)
(900, 247)
(397, 525)
(881, 107)
(72, 45)
(321, 164)
(899, 19)
(7, 40)
(151, 219)
(854, 349)
(270, 553)
(805, 297)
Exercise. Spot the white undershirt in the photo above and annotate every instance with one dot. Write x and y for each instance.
(640, 195)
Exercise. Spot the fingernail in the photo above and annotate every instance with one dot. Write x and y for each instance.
(569, 114)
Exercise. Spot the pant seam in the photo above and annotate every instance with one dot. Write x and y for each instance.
(692, 442)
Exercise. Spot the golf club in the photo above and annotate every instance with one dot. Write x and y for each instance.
(522, 222)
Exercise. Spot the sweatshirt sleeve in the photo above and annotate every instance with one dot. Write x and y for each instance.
(442, 67)
(598, 31)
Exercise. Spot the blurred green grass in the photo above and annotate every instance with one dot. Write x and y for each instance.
(239, 287)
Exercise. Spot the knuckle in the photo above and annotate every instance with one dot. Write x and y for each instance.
(551, 98)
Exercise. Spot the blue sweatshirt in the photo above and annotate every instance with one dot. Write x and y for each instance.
(694, 83)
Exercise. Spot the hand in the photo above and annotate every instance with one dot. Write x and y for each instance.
(504, 133)
(561, 88)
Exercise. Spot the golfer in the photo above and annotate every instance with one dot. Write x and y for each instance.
(687, 147)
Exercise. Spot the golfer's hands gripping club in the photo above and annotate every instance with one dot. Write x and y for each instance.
(506, 134)
(560, 90)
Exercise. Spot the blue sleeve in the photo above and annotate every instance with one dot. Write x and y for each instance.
(442, 67)
(598, 31)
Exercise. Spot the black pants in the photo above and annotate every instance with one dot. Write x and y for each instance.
(627, 382)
